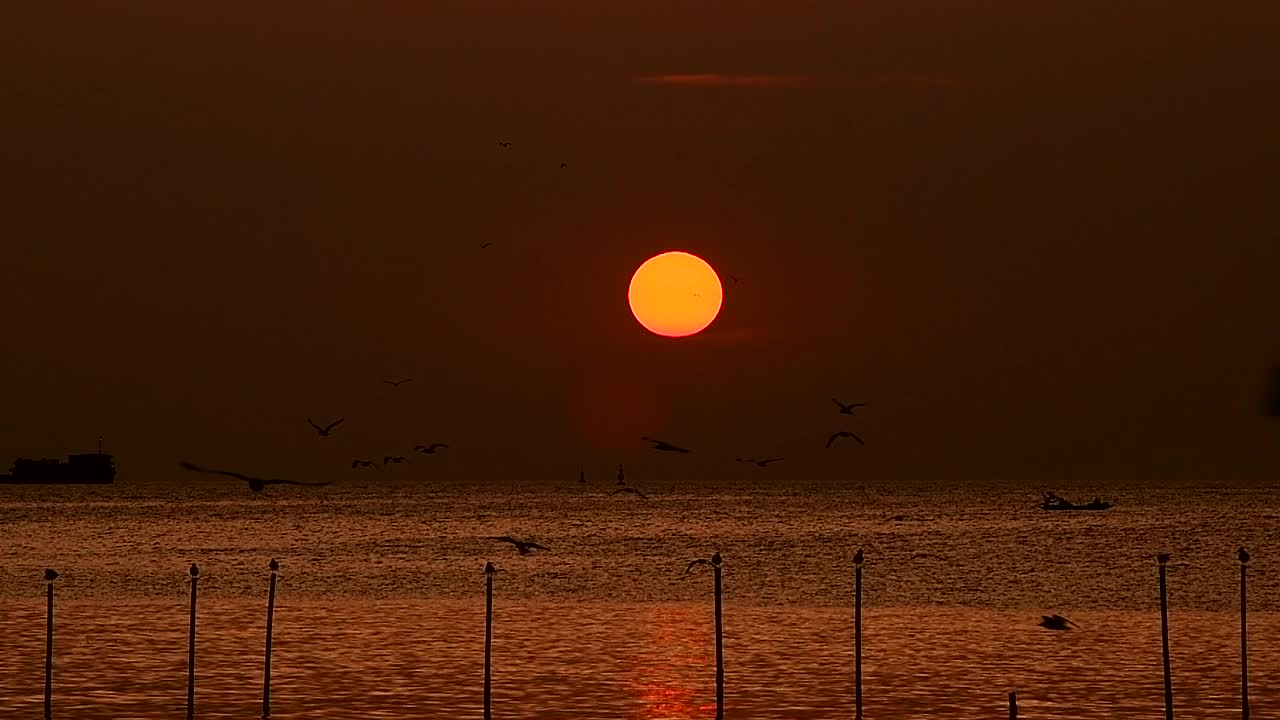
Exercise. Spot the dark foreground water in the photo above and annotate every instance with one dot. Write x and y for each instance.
(381, 608)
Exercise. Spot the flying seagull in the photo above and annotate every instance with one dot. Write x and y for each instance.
(843, 434)
(1055, 622)
(664, 446)
(397, 383)
(504, 144)
(760, 463)
(630, 490)
(327, 429)
(564, 165)
(429, 449)
(256, 484)
(523, 546)
(847, 408)
(484, 245)
(393, 459)
(50, 575)
(357, 464)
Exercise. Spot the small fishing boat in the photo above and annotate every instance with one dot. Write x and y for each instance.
(1053, 502)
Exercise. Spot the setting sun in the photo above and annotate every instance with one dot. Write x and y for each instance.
(675, 294)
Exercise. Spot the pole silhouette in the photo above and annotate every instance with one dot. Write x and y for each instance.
(1013, 706)
(489, 572)
(715, 566)
(857, 634)
(191, 648)
(1244, 637)
(266, 667)
(1163, 559)
(49, 576)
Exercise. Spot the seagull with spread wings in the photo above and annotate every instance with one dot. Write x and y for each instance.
(327, 430)
(847, 408)
(713, 561)
(843, 434)
(397, 383)
(256, 484)
(429, 449)
(664, 446)
(760, 463)
(523, 546)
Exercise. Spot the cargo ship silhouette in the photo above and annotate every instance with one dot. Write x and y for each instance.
(82, 469)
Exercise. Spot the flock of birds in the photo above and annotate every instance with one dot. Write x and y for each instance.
(258, 484)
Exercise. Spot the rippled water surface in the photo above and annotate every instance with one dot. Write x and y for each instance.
(381, 601)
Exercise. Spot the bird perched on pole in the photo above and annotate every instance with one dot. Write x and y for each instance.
(50, 575)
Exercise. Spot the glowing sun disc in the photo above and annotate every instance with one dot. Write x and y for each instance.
(675, 294)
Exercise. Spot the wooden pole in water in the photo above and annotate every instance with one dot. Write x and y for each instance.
(266, 667)
(489, 572)
(715, 565)
(1013, 706)
(49, 576)
(1244, 637)
(857, 634)
(1163, 559)
(191, 648)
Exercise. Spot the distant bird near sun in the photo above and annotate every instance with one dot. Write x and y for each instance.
(675, 294)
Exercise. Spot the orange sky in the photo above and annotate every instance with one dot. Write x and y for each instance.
(1041, 242)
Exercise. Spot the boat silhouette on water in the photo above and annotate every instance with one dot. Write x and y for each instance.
(1053, 502)
(82, 469)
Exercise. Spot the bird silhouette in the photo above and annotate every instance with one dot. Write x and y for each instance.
(256, 484)
(489, 569)
(631, 491)
(273, 565)
(357, 464)
(857, 557)
(1055, 622)
(394, 460)
(523, 546)
(1162, 558)
(429, 449)
(843, 434)
(564, 165)
(504, 144)
(735, 279)
(50, 574)
(327, 430)
(1243, 555)
(713, 561)
(760, 463)
(847, 408)
(663, 445)
(397, 383)
(484, 245)
(195, 571)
